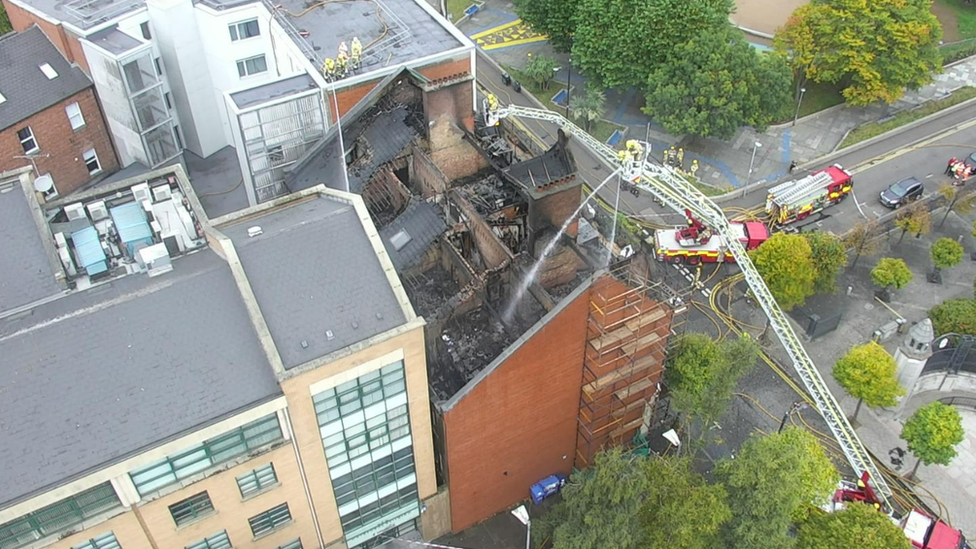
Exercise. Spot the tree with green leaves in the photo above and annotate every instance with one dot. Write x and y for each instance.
(785, 262)
(863, 239)
(954, 316)
(5, 26)
(541, 69)
(692, 521)
(876, 48)
(772, 482)
(829, 255)
(914, 219)
(617, 43)
(946, 253)
(891, 272)
(956, 201)
(716, 82)
(600, 507)
(868, 373)
(932, 434)
(702, 375)
(555, 18)
(857, 525)
(588, 106)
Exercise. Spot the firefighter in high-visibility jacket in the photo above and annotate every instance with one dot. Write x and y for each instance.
(329, 69)
(357, 52)
(342, 64)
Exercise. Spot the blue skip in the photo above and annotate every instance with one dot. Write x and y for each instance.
(472, 9)
(560, 98)
(615, 138)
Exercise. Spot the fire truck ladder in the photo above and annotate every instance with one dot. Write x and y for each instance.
(791, 191)
(670, 187)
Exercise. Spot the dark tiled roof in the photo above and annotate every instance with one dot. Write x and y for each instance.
(26, 274)
(422, 225)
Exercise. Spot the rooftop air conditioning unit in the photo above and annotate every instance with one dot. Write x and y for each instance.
(156, 259)
(162, 192)
(97, 210)
(75, 211)
(60, 241)
(140, 192)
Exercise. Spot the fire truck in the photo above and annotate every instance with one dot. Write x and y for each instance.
(696, 243)
(924, 531)
(795, 200)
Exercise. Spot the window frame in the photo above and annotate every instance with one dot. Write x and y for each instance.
(61, 516)
(94, 158)
(104, 541)
(271, 520)
(158, 65)
(260, 479)
(144, 29)
(32, 139)
(71, 116)
(220, 540)
(192, 509)
(242, 64)
(234, 29)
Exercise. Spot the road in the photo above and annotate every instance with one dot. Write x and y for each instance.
(921, 151)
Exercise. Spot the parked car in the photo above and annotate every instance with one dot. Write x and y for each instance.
(901, 193)
(547, 487)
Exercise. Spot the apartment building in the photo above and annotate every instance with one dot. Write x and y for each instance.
(168, 382)
(49, 116)
(208, 77)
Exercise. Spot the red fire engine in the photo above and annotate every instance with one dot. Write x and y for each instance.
(697, 244)
(795, 200)
(924, 531)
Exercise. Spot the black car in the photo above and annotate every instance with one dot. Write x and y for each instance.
(901, 193)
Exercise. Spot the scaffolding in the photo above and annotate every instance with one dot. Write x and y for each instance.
(628, 329)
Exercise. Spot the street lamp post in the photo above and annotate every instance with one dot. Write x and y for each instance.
(755, 148)
(798, 101)
(522, 514)
(569, 82)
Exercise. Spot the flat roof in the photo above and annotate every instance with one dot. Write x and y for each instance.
(26, 273)
(99, 375)
(114, 41)
(273, 90)
(316, 276)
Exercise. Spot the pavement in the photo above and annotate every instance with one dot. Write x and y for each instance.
(725, 164)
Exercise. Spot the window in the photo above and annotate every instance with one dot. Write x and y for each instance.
(48, 71)
(2, 98)
(58, 517)
(191, 508)
(27, 141)
(74, 116)
(252, 482)
(144, 27)
(251, 66)
(91, 162)
(159, 66)
(270, 520)
(104, 541)
(216, 541)
(294, 544)
(168, 100)
(207, 454)
(244, 30)
(179, 138)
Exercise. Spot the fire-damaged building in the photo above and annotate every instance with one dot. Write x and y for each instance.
(527, 377)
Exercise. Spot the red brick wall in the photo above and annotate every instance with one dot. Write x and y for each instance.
(21, 19)
(454, 100)
(515, 427)
(492, 251)
(54, 136)
(554, 209)
(444, 69)
(348, 97)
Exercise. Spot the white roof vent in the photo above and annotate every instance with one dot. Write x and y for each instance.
(400, 239)
(75, 211)
(254, 231)
(49, 71)
(2, 98)
(162, 192)
(97, 210)
(141, 191)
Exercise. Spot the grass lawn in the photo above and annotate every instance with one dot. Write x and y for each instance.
(819, 97)
(600, 129)
(456, 8)
(873, 129)
(965, 16)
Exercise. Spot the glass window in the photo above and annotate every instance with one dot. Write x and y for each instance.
(159, 66)
(179, 140)
(295, 544)
(191, 508)
(251, 66)
(256, 480)
(58, 517)
(74, 116)
(168, 100)
(244, 30)
(104, 541)
(27, 141)
(270, 520)
(216, 541)
(144, 27)
(209, 453)
(91, 162)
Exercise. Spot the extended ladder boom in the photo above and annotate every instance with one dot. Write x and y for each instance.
(678, 193)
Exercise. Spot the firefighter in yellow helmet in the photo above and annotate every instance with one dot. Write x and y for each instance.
(681, 159)
(342, 64)
(329, 69)
(492, 102)
(357, 51)
(694, 168)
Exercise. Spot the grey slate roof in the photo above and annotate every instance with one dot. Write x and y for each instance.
(96, 376)
(553, 165)
(314, 269)
(422, 223)
(25, 272)
(27, 90)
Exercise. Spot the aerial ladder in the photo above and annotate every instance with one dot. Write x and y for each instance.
(672, 189)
